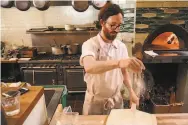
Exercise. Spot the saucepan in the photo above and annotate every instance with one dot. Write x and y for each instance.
(80, 6)
(23, 5)
(73, 48)
(58, 49)
(41, 4)
(7, 3)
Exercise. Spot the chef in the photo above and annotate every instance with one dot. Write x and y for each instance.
(105, 60)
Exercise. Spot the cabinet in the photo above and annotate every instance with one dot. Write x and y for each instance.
(74, 79)
(40, 76)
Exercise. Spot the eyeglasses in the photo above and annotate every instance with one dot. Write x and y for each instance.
(114, 27)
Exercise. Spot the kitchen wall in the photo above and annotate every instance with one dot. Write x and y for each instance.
(14, 22)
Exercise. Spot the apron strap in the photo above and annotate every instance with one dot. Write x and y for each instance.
(110, 102)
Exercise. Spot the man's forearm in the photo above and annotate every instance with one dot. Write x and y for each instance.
(97, 67)
(127, 82)
(126, 78)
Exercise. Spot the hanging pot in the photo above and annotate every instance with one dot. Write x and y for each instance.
(73, 48)
(98, 4)
(80, 6)
(22, 5)
(41, 4)
(7, 3)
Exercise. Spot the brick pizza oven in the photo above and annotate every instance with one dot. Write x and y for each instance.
(165, 55)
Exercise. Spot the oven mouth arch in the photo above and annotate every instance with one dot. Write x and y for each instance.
(179, 31)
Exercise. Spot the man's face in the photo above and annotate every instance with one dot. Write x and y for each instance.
(111, 26)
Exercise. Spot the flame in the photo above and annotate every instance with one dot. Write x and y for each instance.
(167, 40)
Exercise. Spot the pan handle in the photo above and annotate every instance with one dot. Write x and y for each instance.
(50, 45)
(55, 42)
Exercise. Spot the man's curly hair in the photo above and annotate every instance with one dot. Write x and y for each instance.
(109, 10)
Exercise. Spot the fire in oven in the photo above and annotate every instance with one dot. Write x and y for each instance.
(169, 43)
(164, 90)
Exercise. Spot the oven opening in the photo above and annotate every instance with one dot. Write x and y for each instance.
(164, 75)
(166, 41)
(164, 88)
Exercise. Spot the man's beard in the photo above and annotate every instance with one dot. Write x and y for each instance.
(108, 35)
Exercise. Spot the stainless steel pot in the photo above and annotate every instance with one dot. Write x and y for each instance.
(73, 48)
(41, 4)
(58, 50)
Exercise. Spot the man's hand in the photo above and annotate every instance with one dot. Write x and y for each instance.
(132, 63)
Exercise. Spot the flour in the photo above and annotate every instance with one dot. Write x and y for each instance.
(138, 84)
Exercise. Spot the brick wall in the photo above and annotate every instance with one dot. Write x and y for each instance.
(149, 6)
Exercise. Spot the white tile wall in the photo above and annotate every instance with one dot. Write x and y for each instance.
(14, 22)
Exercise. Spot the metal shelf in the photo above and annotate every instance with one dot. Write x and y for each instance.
(57, 32)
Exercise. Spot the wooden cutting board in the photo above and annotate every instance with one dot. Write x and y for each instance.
(130, 117)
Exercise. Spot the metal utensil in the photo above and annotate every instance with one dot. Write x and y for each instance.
(22, 5)
(7, 3)
(80, 6)
(41, 4)
(57, 51)
(98, 4)
(50, 45)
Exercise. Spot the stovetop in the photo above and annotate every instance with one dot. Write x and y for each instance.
(48, 57)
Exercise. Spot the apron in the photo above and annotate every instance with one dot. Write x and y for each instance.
(102, 105)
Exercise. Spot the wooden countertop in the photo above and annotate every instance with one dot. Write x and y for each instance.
(8, 61)
(162, 119)
(27, 103)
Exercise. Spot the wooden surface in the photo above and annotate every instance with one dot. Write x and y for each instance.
(27, 103)
(162, 119)
(8, 61)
